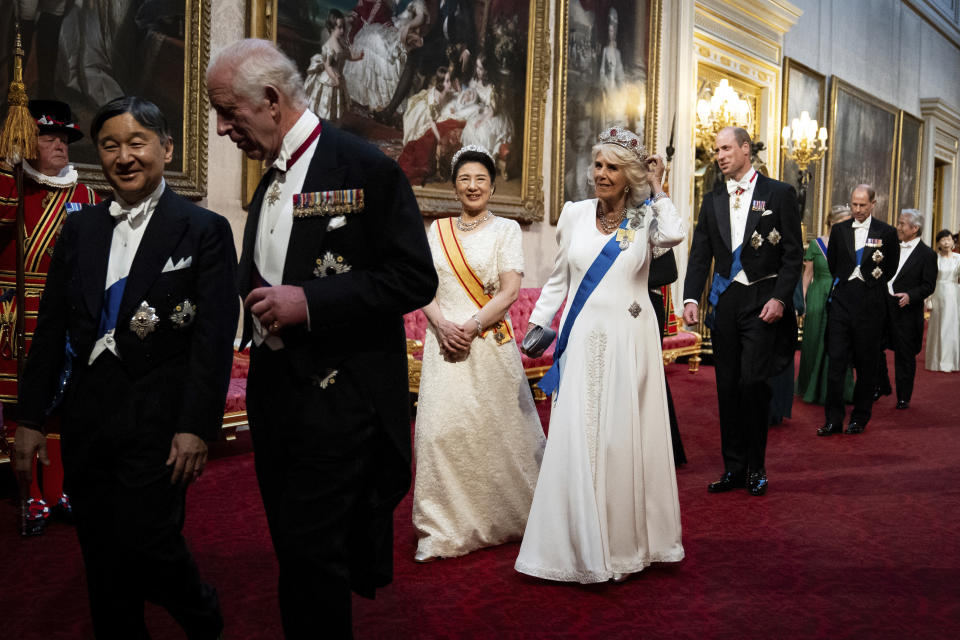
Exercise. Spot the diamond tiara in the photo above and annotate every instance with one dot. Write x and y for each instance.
(624, 138)
(470, 147)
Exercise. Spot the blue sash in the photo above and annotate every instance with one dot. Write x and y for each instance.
(859, 256)
(601, 264)
(719, 285)
(823, 247)
(111, 306)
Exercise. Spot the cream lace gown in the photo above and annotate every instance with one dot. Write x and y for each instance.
(478, 441)
(606, 501)
(943, 332)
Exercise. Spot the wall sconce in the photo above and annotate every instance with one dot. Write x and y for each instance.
(804, 144)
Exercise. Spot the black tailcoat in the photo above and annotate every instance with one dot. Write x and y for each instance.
(856, 314)
(120, 414)
(302, 424)
(194, 360)
(904, 329)
(748, 351)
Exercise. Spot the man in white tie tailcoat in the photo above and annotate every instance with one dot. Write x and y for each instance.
(749, 228)
(863, 255)
(133, 347)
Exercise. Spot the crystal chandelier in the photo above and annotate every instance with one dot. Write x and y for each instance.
(725, 108)
(802, 143)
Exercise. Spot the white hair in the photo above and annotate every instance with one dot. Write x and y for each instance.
(915, 218)
(633, 169)
(256, 64)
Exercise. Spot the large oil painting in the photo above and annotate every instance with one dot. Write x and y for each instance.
(864, 133)
(88, 53)
(421, 78)
(908, 166)
(606, 68)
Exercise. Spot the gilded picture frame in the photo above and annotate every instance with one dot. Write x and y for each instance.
(160, 55)
(590, 92)
(864, 133)
(909, 158)
(519, 193)
(804, 90)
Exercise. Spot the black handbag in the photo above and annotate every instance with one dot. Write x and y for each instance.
(537, 340)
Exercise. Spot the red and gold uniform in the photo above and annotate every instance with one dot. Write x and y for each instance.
(47, 202)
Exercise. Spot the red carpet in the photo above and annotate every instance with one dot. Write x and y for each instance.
(857, 538)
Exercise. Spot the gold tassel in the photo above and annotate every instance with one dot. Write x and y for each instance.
(18, 140)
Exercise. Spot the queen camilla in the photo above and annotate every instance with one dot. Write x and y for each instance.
(606, 503)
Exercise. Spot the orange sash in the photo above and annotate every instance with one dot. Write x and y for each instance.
(452, 249)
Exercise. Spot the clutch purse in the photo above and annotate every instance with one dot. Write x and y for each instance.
(537, 340)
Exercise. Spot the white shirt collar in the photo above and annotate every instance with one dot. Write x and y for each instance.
(862, 225)
(910, 244)
(295, 137)
(120, 207)
(745, 182)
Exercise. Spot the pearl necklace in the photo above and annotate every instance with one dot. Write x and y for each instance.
(605, 226)
(470, 226)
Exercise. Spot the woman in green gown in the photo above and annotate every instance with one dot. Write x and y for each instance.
(817, 282)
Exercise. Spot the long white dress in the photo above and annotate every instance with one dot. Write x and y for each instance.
(326, 100)
(943, 332)
(478, 441)
(606, 502)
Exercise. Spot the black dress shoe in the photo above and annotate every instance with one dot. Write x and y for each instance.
(727, 482)
(757, 482)
(855, 427)
(881, 392)
(903, 404)
(830, 429)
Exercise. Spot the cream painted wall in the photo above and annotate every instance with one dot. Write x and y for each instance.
(880, 46)
(224, 159)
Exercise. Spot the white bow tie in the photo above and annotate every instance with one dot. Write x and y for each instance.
(862, 225)
(733, 185)
(132, 213)
(905, 245)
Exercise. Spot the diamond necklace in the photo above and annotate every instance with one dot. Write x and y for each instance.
(470, 226)
(608, 227)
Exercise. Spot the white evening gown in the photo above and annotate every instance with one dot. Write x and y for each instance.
(943, 332)
(606, 502)
(327, 101)
(478, 441)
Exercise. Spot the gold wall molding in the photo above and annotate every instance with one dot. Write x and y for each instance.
(713, 23)
(747, 74)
